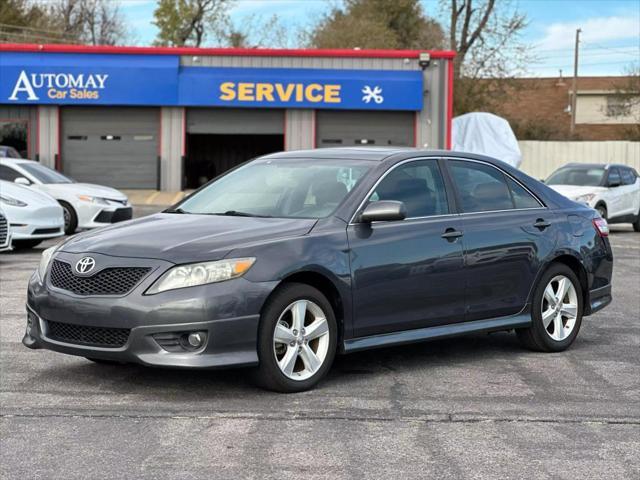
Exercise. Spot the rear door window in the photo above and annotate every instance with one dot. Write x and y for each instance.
(481, 188)
(614, 177)
(521, 197)
(628, 177)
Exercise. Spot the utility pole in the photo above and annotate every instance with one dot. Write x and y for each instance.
(574, 86)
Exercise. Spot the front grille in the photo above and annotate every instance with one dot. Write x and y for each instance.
(4, 230)
(83, 335)
(110, 281)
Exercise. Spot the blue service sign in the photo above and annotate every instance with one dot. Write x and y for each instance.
(301, 88)
(88, 79)
(113, 79)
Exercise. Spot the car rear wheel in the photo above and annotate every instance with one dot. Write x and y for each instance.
(297, 339)
(70, 218)
(556, 313)
(636, 224)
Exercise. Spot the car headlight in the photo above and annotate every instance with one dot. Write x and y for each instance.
(13, 202)
(89, 198)
(201, 273)
(587, 197)
(45, 260)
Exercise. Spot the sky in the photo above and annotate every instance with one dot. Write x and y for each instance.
(610, 38)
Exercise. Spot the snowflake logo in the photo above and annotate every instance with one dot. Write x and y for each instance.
(374, 94)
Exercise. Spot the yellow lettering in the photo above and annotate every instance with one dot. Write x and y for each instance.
(264, 91)
(299, 92)
(308, 92)
(332, 94)
(246, 92)
(284, 94)
(228, 92)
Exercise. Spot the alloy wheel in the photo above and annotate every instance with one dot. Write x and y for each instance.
(67, 218)
(301, 340)
(559, 308)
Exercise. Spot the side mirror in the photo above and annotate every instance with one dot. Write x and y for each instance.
(22, 181)
(383, 211)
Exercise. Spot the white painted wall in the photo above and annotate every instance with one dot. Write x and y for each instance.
(539, 158)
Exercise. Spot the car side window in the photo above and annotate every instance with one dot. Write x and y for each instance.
(521, 198)
(614, 177)
(8, 173)
(481, 188)
(419, 185)
(628, 178)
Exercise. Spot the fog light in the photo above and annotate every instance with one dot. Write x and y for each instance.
(195, 339)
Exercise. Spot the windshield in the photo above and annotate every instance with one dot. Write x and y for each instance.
(45, 174)
(578, 176)
(285, 188)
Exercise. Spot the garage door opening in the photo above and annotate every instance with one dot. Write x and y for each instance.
(14, 134)
(209, 155)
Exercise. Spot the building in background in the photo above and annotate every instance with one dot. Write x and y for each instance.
(135, 117)
(539, 108)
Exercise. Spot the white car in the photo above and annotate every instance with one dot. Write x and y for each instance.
(85, 205)
(33, 216)
(5, 232)
(613, 190)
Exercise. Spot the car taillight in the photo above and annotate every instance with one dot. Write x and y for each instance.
(601, 226)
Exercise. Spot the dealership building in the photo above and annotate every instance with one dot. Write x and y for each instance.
(172, 118)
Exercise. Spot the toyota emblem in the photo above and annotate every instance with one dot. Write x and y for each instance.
(85, 265)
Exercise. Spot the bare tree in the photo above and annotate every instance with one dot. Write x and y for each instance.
(188, 22)
(627, 100)
(253, 32)
(485, 35)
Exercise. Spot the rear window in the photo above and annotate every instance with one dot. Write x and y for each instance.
(585, 176)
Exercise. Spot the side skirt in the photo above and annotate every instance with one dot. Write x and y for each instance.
(433, 333)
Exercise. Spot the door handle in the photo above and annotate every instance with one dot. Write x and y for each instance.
(541, 224)
(452, 234)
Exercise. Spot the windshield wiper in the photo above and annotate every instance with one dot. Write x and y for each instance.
(175, 210)
(236, 213)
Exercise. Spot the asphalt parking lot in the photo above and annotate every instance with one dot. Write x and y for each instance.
(473, 407)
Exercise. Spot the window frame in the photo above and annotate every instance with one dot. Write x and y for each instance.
(608, 180)
(506, 175)
(451, 201)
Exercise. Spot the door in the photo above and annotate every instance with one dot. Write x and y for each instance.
(111, 146)
(507, 234)
(616, 204)
(630, 192)
(340, 128)
(405, 274)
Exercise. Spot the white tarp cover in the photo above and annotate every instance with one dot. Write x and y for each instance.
(486, 134)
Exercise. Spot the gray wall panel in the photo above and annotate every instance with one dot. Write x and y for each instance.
(247, 121)
(349, 127)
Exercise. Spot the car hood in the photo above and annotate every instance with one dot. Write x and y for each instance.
(185, 238)
(573, 191)
(83, 189)
(31, 197)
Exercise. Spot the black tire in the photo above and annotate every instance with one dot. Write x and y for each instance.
(70, 218)
(24, 244)
(536, 337)
(636, 224)
(602, 210)
(268, 374)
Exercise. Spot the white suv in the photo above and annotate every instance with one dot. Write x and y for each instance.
(613, 190)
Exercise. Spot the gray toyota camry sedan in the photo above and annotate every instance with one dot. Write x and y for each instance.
(292, 258)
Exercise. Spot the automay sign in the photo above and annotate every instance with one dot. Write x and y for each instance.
(108, 79)
(59, 85)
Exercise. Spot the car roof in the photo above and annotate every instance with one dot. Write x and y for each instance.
(601, 165)
(16, 161)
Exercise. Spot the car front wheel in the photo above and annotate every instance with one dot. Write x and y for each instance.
(297, 339)
(70, 218)
(556, 311)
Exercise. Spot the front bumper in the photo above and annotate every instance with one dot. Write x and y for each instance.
(91, 215)
(141, 347)
(227, 312)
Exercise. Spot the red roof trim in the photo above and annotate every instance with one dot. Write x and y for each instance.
(244, 52)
